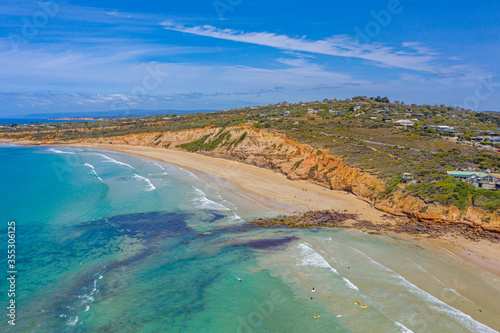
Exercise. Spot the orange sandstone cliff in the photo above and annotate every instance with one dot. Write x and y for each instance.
(275, 151)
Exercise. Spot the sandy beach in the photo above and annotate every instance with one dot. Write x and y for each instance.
(275, 191)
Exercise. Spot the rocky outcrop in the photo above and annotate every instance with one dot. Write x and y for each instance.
(275, 151)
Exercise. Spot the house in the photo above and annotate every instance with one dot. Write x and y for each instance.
(481, 138)
(406, 177)
(497, 178)
(490, 139)
(476, 178)
(445, 129)
(386, 119)
(334, 112)
(404, 122)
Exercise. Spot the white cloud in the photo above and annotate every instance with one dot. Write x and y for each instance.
(340, 45)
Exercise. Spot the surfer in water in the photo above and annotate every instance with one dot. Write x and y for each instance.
(313, 290)
(239, 279)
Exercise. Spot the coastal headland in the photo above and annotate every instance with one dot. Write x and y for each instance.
(292, 178)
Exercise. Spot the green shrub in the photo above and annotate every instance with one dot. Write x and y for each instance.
(487, 199)
(297, 164)
(447, 191)
(221, 138)
(391, 186)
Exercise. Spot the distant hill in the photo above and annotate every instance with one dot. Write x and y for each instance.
(115, 113)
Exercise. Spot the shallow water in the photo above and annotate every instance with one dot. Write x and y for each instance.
(109, 242)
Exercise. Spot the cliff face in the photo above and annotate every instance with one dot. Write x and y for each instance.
(297, 161)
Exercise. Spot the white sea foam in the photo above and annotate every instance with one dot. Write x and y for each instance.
(309, 257)
(151, 187)
(244, 196)
(435, 303)
(235, 218)
(57, 151)
(190, 173)
(93, 171)
(403, 328)
(451, 253)
(230, 204)
(112, 160)
(89, 298)
(72, 321)
(350, 284)
(86, 298)
(441, 282)
(157, 174)
(205, 203)
(421, 268)
(373, 261)
(161, 167)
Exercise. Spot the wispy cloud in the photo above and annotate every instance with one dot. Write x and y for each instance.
(416, 58)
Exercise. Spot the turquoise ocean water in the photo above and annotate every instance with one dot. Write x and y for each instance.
(108, 242)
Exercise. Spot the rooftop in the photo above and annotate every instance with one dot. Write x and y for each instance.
(466, 173)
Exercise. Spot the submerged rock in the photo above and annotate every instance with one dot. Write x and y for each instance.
(430, 229)
(324, 218)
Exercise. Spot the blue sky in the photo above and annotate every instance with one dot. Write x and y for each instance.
(63, 55)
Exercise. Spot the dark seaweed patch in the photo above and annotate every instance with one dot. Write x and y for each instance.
(269, 243)
(142, 225)
(216, 217)
(97, 237)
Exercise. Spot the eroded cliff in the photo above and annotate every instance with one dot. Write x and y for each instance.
(275, 151)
